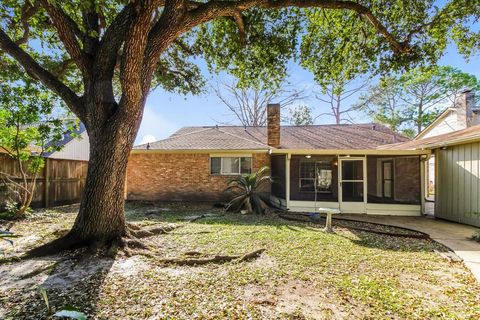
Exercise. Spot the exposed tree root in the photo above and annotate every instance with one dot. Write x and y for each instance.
(128, 243)
(136, 244)
(145, 233)
(197, 218)
(214, 259)
(193, 253)
(203, 216)
(133, 226)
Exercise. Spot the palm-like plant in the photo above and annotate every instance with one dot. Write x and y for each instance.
(247, 191)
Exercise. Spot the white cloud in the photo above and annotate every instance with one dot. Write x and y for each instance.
(154, 125)
(147, 139)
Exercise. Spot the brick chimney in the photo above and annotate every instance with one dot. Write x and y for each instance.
(273, 125)
(468, 113)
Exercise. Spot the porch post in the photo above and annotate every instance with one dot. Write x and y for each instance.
(287, 179)
(423, 164)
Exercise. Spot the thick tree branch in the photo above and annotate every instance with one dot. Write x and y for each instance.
(215, 9)
(131, 75)
(112, 41)
(164, 32)
(91, 21)
(238, 18)
(68, 31)
(38, 72)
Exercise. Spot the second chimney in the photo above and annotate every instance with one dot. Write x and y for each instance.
(273, 125)
(466, 115)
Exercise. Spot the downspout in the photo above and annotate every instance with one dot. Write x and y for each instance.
(423, 183)
(287, 179)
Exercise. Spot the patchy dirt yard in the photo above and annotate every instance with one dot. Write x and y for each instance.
(303, 273)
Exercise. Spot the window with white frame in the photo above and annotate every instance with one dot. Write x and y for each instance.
(230, 165)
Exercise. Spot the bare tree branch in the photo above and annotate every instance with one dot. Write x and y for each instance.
(337, 93)
(249, 106)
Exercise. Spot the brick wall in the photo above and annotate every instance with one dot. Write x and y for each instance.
(178, 177)
(407, 180)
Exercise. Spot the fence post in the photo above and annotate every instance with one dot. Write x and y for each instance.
(46, 182)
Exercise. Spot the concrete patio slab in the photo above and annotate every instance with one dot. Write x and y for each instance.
(453, 235)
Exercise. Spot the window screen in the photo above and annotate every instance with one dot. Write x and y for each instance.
(230, 165)
(246, 165)
(215, 165)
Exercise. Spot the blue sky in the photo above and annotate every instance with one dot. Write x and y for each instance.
(167, 112)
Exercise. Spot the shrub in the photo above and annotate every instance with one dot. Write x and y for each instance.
(247, 191)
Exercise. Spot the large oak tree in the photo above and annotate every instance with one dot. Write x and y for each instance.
(102, 57)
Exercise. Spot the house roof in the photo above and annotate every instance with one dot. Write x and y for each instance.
(327, 137)
(456, 137)
(66, 139)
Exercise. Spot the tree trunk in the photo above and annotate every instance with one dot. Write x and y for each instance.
(101, 218)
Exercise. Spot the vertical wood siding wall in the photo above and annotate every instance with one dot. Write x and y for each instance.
(457, 184)
(60, 182)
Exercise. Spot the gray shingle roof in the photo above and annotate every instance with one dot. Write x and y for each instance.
(459, 136)
(345, 136)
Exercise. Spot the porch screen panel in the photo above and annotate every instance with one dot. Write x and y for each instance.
(394, 179)
(314, 173)
(278, 163)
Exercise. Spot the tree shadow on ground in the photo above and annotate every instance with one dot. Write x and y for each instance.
(69, 280)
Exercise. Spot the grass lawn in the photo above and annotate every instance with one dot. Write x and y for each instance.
(304, 273)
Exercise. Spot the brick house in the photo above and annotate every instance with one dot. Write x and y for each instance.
(340, 166)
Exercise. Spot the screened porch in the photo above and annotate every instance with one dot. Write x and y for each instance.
(373, 184)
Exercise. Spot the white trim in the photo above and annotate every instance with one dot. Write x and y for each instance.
(230, 155)
(371, 208)
(388, 209)
(287, 180)
(423, 164)
(309, 206)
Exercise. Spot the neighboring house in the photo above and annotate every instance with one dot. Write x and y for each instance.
(457, 163)
(463, 114)
(314, 166)
(74, 148)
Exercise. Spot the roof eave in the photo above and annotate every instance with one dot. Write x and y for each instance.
(200, 151)
(350, 151)
(449, 143)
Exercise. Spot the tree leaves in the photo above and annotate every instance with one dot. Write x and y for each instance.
(412, 100)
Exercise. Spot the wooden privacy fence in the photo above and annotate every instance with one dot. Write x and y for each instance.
(60, 182)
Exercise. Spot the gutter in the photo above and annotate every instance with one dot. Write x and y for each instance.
(342, 152)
